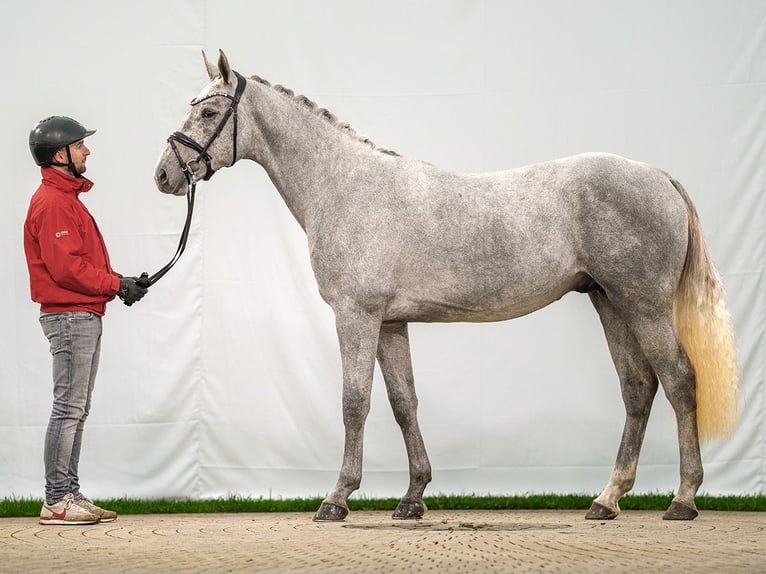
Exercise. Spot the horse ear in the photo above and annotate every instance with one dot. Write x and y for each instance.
(212, 71)
(223, 67)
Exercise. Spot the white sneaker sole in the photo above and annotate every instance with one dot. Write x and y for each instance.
(59, 522)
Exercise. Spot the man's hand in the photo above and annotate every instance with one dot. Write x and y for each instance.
(144, 280)
(131, 290)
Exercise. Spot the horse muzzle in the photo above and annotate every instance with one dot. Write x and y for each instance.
(170, 180)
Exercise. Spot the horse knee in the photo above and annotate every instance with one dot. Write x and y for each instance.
(356, 406)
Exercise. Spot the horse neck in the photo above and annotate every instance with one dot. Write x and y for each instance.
(304, 154)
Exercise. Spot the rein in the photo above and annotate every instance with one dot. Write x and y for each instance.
(189, 172)
(145, 280)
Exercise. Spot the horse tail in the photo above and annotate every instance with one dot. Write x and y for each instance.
(707, 335)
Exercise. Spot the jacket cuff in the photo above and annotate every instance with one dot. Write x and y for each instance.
(115, 284)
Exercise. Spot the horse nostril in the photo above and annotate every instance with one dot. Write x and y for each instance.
(162, 176)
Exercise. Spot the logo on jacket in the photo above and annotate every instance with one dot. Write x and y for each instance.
(61, 233)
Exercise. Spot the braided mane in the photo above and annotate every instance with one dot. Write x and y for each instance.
(322, 113)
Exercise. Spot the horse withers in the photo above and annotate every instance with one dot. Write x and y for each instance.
(393, 240)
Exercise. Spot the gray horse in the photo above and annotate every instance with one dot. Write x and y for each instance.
(393, 240)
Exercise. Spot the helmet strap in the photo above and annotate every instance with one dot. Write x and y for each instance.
(69, 165)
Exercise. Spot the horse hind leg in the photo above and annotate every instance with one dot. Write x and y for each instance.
(396, 364)
(638, 384)
(654, 329)
(660, 342)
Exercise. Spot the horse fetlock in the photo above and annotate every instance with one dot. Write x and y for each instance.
(348, 482)
(420, 478)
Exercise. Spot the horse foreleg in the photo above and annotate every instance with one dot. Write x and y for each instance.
(358, 337)
(396, 365)
(638, 384)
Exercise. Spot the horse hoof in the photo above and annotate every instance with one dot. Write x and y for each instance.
(329, 512)
(600, 512)
(409, 509)
(678, 511)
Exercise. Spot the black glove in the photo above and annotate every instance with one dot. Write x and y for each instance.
(130, 290)
(144, 280)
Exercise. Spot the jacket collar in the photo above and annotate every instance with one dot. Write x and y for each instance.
(65, 182)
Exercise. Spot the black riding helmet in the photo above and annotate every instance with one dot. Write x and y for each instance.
(53, 133)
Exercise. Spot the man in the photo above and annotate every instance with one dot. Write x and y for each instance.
(72, 279)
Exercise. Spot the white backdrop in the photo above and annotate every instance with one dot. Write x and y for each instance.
(226, 378)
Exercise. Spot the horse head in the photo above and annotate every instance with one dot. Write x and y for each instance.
(207, 139)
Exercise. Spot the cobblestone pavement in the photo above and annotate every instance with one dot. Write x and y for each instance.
(444, 541)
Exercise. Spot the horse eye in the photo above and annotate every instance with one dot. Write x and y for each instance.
(208, 113)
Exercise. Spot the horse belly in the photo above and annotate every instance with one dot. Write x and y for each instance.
(496, 299)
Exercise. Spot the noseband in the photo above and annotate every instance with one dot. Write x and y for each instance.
(188, 167)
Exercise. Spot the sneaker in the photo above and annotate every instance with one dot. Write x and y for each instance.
(104, 515)
(67, 511)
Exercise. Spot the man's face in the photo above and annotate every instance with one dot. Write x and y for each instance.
(79, 152)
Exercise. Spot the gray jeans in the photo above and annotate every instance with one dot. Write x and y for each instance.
(75, 343)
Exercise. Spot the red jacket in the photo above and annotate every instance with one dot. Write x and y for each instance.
(69, 267)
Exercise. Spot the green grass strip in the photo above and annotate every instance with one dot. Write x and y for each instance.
(10, 507)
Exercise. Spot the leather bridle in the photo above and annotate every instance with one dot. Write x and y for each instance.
(188, 168)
